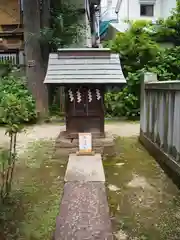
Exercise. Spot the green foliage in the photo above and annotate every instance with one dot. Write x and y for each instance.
(13, 112)
(167, 64)
(16, 108)
(122, 103)
(5, 68)
(14, 95)
(66, 27)
(169, 29)
(135, 47)
(136, 50)
(139, 51)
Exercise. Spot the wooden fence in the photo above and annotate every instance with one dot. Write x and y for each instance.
(12, 58)
(160, 120)
(15, 58)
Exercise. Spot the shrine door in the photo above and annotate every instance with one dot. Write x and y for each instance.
(85, 110)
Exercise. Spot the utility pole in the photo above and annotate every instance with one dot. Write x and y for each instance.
(35, 70)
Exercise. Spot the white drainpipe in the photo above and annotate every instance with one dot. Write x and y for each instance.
(97, 17)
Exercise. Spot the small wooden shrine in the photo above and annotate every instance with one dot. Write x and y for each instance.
(85, 74)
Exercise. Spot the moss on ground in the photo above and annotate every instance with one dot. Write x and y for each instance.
(31, 211)
(144, 203)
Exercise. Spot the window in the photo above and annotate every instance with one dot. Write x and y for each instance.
(147, 10)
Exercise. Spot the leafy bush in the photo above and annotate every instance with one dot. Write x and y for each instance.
(122, 103)
(167, 64)
(168, 30)
(14, 89)
(140, 52)
(5, 68)
(66, 26)
(16, 107)
(13, 112)
(135, 48)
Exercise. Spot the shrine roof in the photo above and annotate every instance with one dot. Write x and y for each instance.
(84, 65)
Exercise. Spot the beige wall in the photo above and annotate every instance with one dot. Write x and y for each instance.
(9, 12)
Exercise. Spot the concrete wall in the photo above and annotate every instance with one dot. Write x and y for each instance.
(160, 120)
(130, 9)
(167, 6)
(84, 37)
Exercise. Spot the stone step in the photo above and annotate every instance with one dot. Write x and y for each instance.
(66, 143)
(80, 168)
(66, 151)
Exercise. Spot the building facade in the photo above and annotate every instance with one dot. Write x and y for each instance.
(11, 32)
(136, 9)
(11, 27)
(115, 12)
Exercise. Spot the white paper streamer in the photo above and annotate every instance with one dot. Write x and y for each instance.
(89, 96)
(98, 94)
(78, 96)
(71, 97)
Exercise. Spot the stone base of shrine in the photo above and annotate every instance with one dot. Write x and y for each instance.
(74, 135)
(104, 146)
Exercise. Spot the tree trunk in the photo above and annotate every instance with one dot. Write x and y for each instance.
(35, 70)
(45, 23)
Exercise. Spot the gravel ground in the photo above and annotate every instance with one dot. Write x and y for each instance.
(51, 131)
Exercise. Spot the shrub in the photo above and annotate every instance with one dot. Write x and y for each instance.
(122, 103)
(135, 48)
(15, 88)
(139, 52)
(5, 68)
(167, 64)
(16, 108)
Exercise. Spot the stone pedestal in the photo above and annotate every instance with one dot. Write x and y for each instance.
(65, 146)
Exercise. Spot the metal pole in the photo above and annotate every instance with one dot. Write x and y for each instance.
(118, 6)
(127, 9)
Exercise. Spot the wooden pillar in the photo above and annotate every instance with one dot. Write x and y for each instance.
(146, 77)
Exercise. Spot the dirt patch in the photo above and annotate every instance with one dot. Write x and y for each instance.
(120, 235)
(123, 129)
(113, 188)
(51, 131)
(139, 182)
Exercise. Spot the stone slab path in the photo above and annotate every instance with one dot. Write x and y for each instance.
(85, 168)
(84, 211)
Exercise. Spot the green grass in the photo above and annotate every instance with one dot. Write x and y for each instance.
(149, 213)
(141, 213)
(30, 213)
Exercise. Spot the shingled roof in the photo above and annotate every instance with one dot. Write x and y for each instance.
(84, 65)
